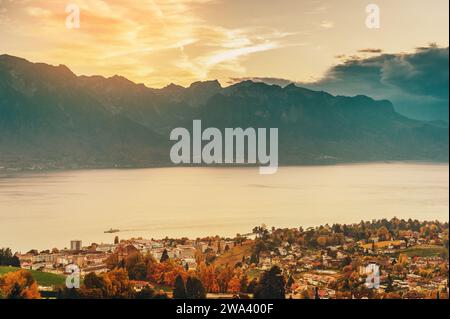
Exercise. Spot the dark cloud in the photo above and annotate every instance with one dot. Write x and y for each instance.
(416, 83)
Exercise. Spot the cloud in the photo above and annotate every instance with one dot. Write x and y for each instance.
(38, 12)
(326, 24)
(227, 55)
(316, 7)
(155, 42)
(416, 83)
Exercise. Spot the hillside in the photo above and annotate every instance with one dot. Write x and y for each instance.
(44, 279)
(49, 117)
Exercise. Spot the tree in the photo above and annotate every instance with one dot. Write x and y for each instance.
(164, 256)
(252, 286)
(165, 273)
(346, 261)
(8, 259)
(179, 290)
(389, 287)
(118, 283)
(234, 286)
(94, 286)
(271, 285)
(116, 240)
(208, 276)
(224, 276)
(322, 241)
(112, 261)
(19, 285)
(289, 283)
(68, 293)
(254, 258)
(383, 233)
(146, 293)
(244, 283)
(195, 289)
(114, 284)
(138, 271)
(392, 295)
(316, 293)
(305, 294)
(136, 265)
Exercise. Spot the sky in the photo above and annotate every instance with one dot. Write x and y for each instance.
(157, 42)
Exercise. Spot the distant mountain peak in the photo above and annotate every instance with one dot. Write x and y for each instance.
(64, 69)
(5, 57)
(173, 87)
(121, 81)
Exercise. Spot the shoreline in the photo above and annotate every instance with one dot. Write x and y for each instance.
(244, 235)
(215, 166)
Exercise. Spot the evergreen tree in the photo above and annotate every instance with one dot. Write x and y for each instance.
(271, 285)
(316, 293)
(252, 286)
(244, 283)
(179, 290)
(195, 289)
(164, 256)
(389, 287)
(289, 283)
(254, 258)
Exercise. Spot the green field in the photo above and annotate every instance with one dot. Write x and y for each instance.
(43, 278)
(424, 251)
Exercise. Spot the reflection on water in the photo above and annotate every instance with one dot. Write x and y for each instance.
(46, 210)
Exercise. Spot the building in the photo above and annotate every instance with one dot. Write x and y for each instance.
(106, 248)
(75, 245)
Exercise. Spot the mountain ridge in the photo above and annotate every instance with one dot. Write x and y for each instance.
(50, 115)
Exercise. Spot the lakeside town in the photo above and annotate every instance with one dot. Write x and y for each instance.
(380, 259)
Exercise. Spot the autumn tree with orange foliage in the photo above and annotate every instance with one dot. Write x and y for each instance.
(207, 275)
(165, 273)
(234, 286)
(19, 285)
(224, 276)
(114, 284)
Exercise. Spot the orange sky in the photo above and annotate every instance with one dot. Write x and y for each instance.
(157, 42)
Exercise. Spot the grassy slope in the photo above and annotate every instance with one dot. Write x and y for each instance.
(235, 254)
(382, 244)
(424, 251)
(42, 278)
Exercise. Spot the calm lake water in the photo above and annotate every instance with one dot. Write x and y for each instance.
(46, 210)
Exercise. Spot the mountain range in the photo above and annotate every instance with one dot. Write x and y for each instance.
(50, 117)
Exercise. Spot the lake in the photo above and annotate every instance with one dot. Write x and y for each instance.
(48, 209)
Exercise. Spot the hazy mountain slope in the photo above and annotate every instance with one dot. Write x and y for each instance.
(45, 115)
(318, 127)
(49, 115)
